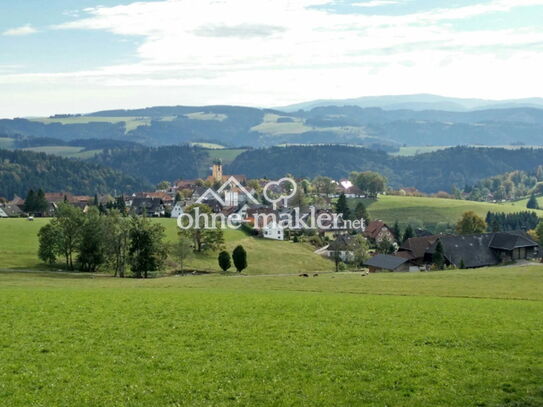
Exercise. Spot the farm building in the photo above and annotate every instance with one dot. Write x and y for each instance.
(486, 249)
(386, 262)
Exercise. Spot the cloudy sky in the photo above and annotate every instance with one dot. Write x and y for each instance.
(83, 56)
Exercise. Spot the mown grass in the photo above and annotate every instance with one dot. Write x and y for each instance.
(72, 340)
(19, 248)
(131, 122)
(430, 211)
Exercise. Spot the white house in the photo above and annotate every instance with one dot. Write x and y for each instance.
(273, 231)
(177, 210)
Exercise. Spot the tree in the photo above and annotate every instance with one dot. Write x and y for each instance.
(470, 223)
(298, 200)
(408, 233)
(396, 231)
(360, 248)
(48, 244)
(324, 185)
(182, 250)
(146, 250)
(360, 212)
(239, 255)
(163, 185)
(539, 232)
(120, 204)
(369, 182)
(385, 246)
(41, 205)
(203, 238)
(494, 225)
(117, 241)
(532, 202)
(342, 207)
(224, 260)
(91, 245)
(68, 222)
(437, 257)
(30, 202)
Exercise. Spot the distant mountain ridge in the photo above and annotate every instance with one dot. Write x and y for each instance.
(382, 128)
(418, 102)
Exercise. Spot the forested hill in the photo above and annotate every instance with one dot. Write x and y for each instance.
(22, 170)
(428, 172)
(236, 126)
(157, 164)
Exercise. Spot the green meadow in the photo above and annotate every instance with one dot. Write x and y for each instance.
(130, 122)
(431, 211)
(19, 248)
(451, 338)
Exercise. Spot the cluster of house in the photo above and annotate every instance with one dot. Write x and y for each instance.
(232, 197)
(467, 251)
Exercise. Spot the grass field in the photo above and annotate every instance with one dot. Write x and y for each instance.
(131, 123)
(453, 338)
(210, 146)
(19, 247)
(431, 210)
(414, 150)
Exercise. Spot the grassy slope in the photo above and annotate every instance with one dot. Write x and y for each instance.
(432, 210)
(131, 123)
(414, 150)
(73, 340)
(19, 245)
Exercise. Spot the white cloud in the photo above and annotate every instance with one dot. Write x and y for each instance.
(23, 30)
(274, 52)
(377, 3)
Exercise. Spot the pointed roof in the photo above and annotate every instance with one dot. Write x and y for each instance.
(386, 262)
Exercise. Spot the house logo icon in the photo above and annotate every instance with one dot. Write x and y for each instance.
(228, 194)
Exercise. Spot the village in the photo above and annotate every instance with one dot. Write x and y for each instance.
(255, 207)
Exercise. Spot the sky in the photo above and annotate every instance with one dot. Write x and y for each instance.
(63, 56)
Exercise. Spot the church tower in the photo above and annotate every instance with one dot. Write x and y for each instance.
(217, 171)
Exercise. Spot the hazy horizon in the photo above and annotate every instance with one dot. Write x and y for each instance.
(114, 54)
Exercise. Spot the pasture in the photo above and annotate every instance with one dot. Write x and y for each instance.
(130, 122)
(19, 248)
(451, 338)
(431, 211)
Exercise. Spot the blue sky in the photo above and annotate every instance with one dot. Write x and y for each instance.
(88, 55)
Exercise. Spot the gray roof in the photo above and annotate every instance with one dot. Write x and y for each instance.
(386, 262)
(11, 210)
(477, 250)
(511, 240)
(474, 250)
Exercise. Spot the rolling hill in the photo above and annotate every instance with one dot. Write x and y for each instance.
(417, 102)
(431, 211)
(22, 170)
(428, 172)
(374, 124)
